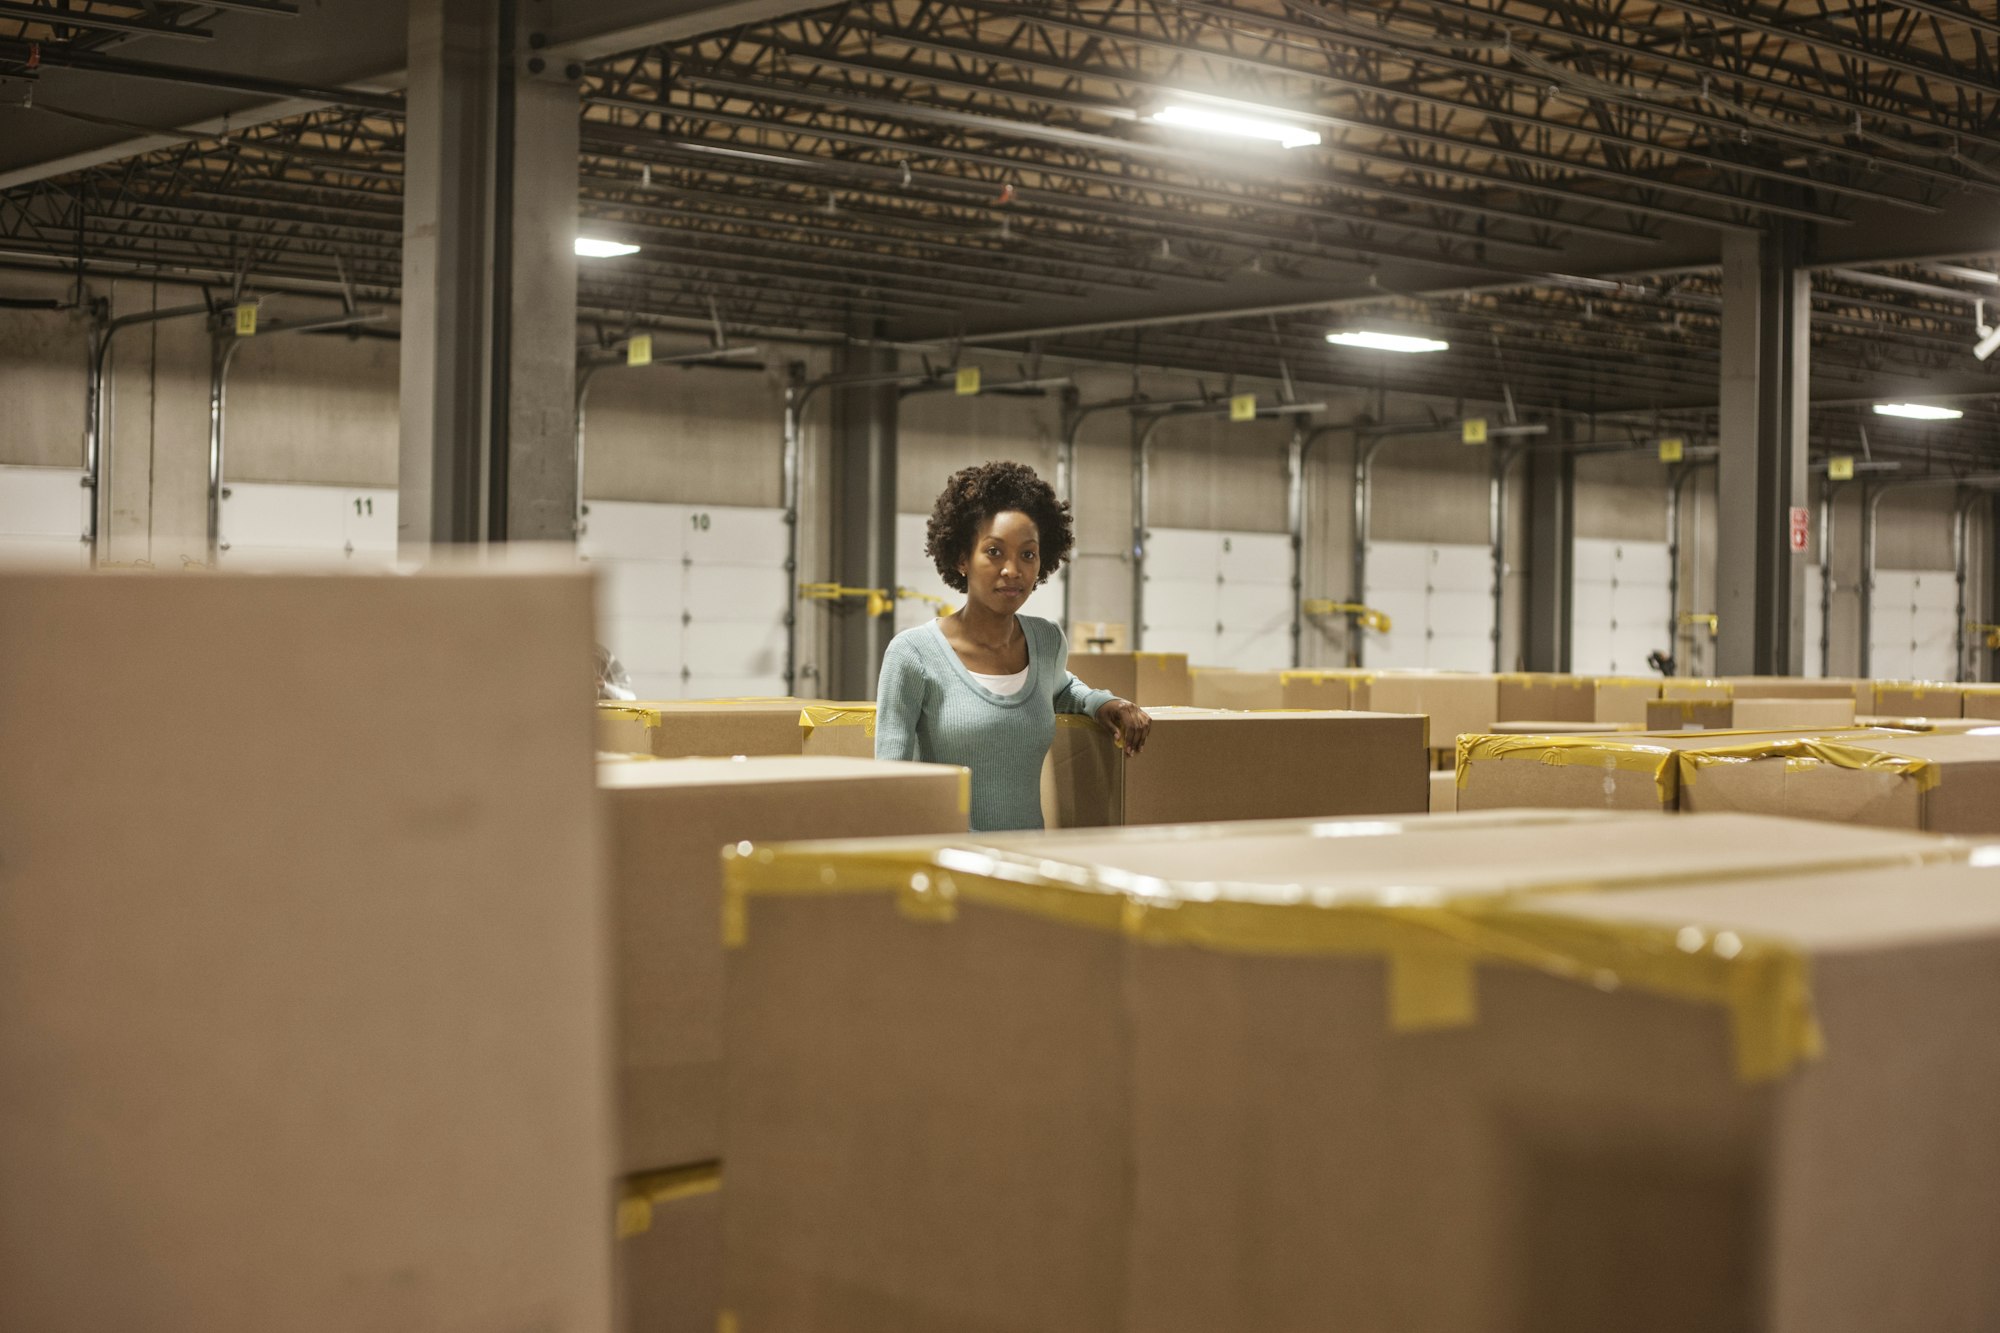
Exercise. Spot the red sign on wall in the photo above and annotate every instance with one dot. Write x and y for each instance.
(1801, 518)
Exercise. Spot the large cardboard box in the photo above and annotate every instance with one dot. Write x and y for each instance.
(1547, 697)
(1623, 699)
(1938, 783)
(692, 728)
(1760, 713)
(1220, 687)
(669, 822)
(1919, 698)
(1628, 771)
(1693, 687)
(1328, 690)
(1455, 702)
(1241, 1078)
(303, 982)
(1151, 680)
(1201, 766)
(840, 730)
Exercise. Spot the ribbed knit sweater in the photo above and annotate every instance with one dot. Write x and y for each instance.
(929, 708)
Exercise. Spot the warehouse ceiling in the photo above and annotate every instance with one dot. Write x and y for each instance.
(1545, 183)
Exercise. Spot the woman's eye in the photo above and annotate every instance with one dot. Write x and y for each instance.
(1029, 556)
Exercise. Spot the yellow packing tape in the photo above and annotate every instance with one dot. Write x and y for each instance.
(1546, 678)
(639, 1195)
(1579, 751)
(837, 715)
(1432, 950)
(1802, 754)
(649, 716)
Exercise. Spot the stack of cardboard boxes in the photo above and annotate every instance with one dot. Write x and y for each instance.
(1416, 1072)
(668, 823)
(1548, 1071)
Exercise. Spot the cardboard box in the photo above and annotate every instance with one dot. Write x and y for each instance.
(1210, 1119)
(702, 728)
(303, 1018)
(669, 822)
(1546, 697)
(1982, 701)
(1151, 680)
(1561, 728)
(1628, 771)
(1940, 784)
(1455, 702)
(1793, 687)
(1098, 636)
(1444, 793)
(1324, 691)
(1919, 698)
(1936, 726)
(1245, 691)
(1752, 714)
(1200, 766)
(840, 730)
(1622, 699)
(1693, 687)
(669, 1254)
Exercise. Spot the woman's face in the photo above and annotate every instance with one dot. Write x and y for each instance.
(1005, 563)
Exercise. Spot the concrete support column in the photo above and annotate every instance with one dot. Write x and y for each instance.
(541, 474)
(1551, 534)
(489, 279)
(1766, 332)
(863, 492)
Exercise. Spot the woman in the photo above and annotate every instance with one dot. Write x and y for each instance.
(982, 686)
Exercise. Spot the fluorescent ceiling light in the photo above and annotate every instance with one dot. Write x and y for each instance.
(592, 248)
(1917, 411)
(1376, 341)
(1211, 121)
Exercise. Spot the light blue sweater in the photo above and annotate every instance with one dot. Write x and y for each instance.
(929, 708)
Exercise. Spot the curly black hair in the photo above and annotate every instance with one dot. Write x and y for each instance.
(975, 495)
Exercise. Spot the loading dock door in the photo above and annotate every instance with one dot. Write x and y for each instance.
(692, 598)
(1620, 602)
(1223, 598)
(270, 525)
(1439, 599)
(44, 512)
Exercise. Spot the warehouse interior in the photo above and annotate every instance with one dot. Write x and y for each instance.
(1530, 368)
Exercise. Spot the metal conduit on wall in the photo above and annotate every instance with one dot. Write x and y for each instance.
(1873, 493)
(97, 450)
(1142, 490)
(223, 346)
(1369, 439)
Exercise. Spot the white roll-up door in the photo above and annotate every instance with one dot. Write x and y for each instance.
(286, 525)
(1620, 599)
(1439, 599)
(1223, 598)
(692, 598)
(1912, 625)
(44, 512)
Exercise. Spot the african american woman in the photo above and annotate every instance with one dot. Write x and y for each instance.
(982, 686)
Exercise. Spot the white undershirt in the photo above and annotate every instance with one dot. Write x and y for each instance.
(1003, 685)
